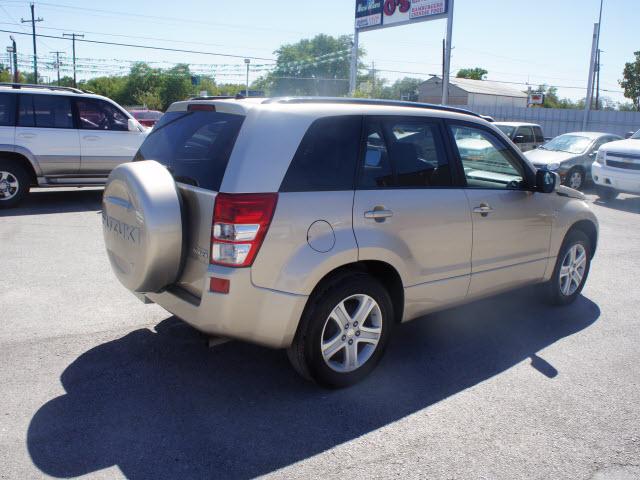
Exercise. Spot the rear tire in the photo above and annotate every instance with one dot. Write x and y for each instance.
(336, 347)
(571, 269)
(606, 193)
(15, 183)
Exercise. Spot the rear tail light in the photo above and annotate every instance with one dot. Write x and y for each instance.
(240, 223)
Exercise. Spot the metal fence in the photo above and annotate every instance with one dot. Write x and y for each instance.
(556, 121)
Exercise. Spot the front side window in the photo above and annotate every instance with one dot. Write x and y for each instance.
(526, 133)
(7, 109)
(404, 153)
(487, 162)
(100, 115)
(327, 156)
(45, 111)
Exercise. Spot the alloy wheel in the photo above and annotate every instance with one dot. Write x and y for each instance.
(351, 333)
(572, 269)
(9, 185)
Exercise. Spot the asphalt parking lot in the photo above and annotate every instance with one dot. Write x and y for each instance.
(94, 383)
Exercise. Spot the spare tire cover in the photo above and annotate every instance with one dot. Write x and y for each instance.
(142, 225)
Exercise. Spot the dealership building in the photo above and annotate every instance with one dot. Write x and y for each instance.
(472, 93)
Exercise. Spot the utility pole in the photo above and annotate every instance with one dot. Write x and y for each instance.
(598, 79)
(373, 78)
(353, 70)
(247, 61)
(443, 54)
(16, 76)
(447, 56)
(592, 63)
(33, 28)
(57, 64)
(73, 37)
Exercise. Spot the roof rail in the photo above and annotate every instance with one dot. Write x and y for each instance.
(369, 101)
(44, 87)
(213, 97)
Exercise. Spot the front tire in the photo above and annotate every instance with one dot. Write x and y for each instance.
(571, 269)
(14, 183)
(343, 332)
(606, 193)
(575, 178)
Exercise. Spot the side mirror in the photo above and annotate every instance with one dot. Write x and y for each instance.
(518, 139)
(592, 154)
(546, 180)
(132, 125)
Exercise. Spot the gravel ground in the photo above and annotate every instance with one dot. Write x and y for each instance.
(95, 383)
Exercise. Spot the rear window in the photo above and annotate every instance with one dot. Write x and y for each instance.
(327, 156)
(195, 146)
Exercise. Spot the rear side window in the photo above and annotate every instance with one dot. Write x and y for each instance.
(538, 133)
(404, 153)
(7, 109)
(195, 146)
(45, 111)
(327, 156)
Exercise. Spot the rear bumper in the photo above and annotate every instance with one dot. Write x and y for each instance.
(253, 314)
(622, 180)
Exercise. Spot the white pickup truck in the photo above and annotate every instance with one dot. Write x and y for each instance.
(617, 168)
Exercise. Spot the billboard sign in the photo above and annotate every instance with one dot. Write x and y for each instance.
(373, 14)
(368, 13)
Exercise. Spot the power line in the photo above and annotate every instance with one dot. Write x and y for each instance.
(148, 47)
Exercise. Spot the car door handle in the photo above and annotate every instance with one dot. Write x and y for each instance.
(91, 138)
(27, 135)
(379, 214)
(483, 209)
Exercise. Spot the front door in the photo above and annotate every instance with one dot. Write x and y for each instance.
(511, 222)
(410, 212)
(105, 139)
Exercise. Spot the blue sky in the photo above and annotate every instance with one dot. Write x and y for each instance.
(544, 41)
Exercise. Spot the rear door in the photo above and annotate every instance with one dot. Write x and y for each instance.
(410, 211)
(105, 139)
(511, 222)
(45, 128)
(195, 146)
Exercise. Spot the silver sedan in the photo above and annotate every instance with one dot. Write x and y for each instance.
(571, 155)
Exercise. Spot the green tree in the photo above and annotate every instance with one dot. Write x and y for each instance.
(141, 81)
(112, 87)
(631, 80)
(5, 74)
(317, 66)
(175, 84)
(552, 100)
(476, 73)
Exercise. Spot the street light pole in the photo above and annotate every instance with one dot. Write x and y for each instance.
(447, 56)
(247, 61)
(35, 54)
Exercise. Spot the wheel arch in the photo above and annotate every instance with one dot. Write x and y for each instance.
(589, 229)
(22, 160)
(384, 272)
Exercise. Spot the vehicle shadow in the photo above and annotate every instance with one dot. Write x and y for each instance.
(161, 404)
(624, 203)
(45, 201)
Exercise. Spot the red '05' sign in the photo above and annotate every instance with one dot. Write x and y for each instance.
(391, 5)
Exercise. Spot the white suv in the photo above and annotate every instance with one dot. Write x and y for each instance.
(617, 168)
(60, 136)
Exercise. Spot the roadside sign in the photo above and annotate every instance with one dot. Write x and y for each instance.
(536, 99)
(374, 14)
